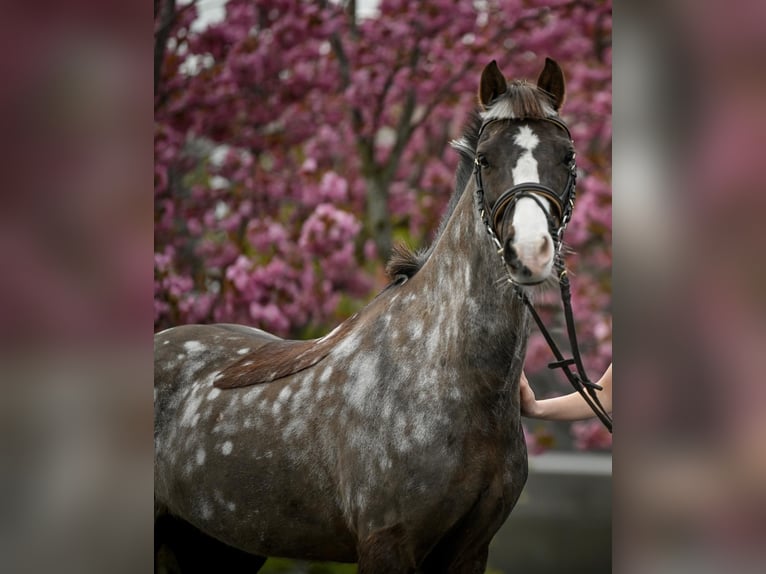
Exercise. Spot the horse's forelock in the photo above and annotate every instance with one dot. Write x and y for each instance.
(520, 100)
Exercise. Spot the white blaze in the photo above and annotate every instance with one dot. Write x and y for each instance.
(526, 167)
(529, 221)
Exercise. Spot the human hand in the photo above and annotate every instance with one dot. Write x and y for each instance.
(529, 405)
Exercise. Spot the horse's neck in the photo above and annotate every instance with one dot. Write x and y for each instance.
(468, 300)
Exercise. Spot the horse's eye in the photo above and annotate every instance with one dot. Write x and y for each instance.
(570, 157)
(482, 161)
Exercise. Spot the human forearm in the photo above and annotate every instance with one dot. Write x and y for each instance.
(564, 408)
(567, 407)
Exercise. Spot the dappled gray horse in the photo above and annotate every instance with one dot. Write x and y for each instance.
(395, 441)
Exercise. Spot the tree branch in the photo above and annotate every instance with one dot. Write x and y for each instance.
(167, 14)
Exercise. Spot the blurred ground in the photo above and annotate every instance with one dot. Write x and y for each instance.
(563, 521)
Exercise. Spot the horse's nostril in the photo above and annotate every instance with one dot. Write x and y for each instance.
(526, 272)
(545, 245)
(511, 257)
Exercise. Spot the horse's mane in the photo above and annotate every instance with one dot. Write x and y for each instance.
(520, 100)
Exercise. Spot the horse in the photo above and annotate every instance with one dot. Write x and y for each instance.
(394, 441)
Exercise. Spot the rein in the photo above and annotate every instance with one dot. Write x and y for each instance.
(564, 205)
(579, 380)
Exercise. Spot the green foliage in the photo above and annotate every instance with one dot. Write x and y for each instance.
(285, 566)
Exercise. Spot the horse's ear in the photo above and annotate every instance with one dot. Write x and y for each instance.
(551, 80)
(492, 84)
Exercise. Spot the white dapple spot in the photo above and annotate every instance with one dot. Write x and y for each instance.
(227, 447)
(194, 347)
(284, 394)
(190, 415)
(243, 351)
(364, 379)
(304, 391)
(423, 430)
(213, 394)
(191, 368)
(326, 374)
(200, 456)
(295, 428)
(206, 510)
(348, 346)
(250, 396)
(416, 329)
(227, 427)
(297, 405)
(433, 341)
(401, 443)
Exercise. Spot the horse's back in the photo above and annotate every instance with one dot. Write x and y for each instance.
(191, 337)
(192, 355)
(180, 350)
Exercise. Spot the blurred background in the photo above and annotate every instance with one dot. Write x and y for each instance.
(79, 229)
(296, 142)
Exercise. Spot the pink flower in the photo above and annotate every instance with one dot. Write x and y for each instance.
(333, 188)
(239, 273)
(591, 435)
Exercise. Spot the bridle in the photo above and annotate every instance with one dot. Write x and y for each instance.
(563, 204)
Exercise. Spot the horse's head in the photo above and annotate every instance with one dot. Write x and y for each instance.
(525, 169)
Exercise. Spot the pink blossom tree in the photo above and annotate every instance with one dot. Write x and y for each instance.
(294, 142)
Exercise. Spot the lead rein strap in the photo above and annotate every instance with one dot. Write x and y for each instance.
(579, 380)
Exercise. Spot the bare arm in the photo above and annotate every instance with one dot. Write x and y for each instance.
(571, 407)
